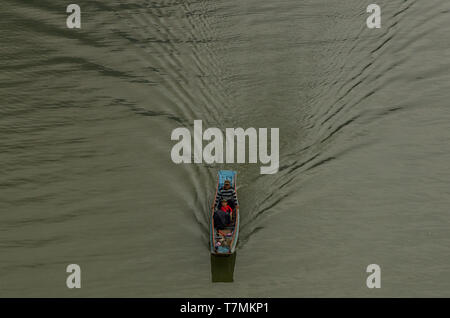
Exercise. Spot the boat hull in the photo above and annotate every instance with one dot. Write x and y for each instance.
(215, 236)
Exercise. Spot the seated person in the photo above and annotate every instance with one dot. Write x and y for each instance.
(223, 216)
(226, 208)
(227, 193)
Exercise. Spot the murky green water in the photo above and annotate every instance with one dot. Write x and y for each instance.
(85, 123)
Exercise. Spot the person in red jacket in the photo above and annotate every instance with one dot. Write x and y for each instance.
(226, 208)
(223, 216)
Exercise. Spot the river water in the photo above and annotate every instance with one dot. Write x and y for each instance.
(86, 175)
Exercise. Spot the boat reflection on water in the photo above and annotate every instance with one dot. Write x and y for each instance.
(222, 268)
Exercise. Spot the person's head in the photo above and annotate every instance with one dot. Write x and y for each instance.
(227, 184)
(224, 203)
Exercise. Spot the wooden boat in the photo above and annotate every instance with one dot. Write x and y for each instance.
(223, 242)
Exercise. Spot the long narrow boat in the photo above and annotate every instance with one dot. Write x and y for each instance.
(223, 242)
